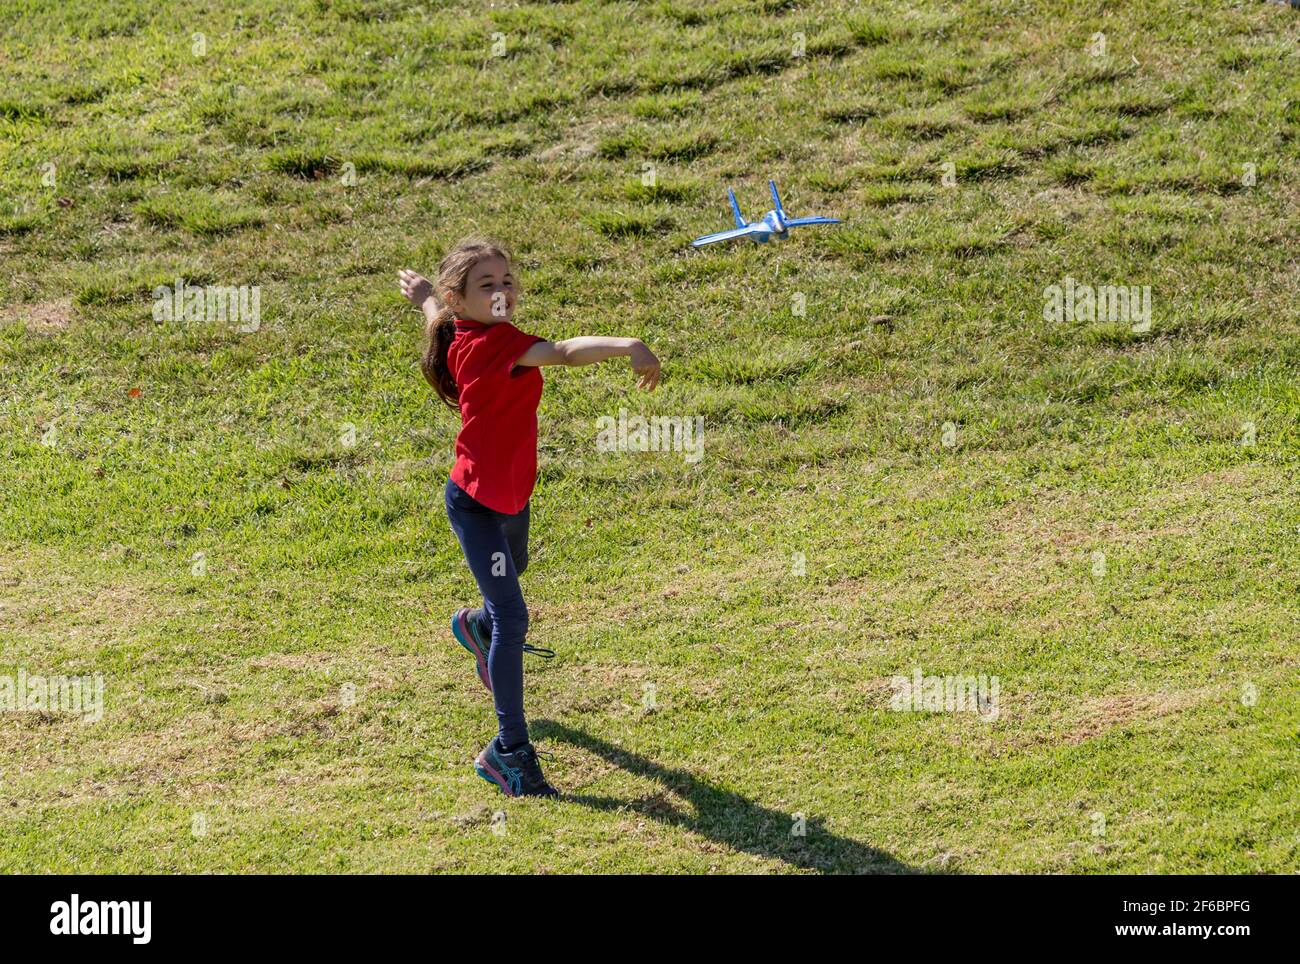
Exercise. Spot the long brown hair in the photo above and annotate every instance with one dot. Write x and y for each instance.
(453, 274)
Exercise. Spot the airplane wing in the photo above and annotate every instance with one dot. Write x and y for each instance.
(733, 233)
(816, 219)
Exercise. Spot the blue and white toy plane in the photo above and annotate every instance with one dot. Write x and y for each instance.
(775, 224)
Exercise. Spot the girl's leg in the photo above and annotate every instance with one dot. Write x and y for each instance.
(482, 535)
(516, 528)
(517, 535)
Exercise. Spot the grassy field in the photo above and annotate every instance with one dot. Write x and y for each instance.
(908, 465)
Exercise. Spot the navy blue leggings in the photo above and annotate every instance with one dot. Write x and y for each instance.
(496, 548)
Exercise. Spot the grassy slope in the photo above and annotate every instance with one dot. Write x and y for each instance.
(329, 565)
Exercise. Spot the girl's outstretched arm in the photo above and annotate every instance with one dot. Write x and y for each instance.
(589, 349)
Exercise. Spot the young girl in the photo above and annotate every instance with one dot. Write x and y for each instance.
(478, 361)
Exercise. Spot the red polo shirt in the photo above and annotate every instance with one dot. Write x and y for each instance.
(496, 450)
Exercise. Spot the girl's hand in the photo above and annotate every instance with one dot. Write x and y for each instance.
(417, 289)
(646, 366)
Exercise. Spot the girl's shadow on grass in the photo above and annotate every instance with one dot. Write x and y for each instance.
(725, 816)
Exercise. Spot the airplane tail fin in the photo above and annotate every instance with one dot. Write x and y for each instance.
(776, 200)
(735, 209)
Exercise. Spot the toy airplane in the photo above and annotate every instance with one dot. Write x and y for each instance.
(774, 224)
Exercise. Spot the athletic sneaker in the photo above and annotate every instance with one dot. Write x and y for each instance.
(467, 634)
(517, 774)
(470, 635)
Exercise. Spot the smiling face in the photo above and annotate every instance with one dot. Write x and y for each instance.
(489, 292)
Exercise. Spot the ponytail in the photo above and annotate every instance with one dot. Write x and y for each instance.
(440, 330)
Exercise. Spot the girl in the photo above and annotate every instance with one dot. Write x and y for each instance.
(478, 361)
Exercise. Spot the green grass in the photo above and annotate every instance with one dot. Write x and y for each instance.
(883, 401)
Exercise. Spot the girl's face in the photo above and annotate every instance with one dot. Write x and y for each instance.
(489, 292)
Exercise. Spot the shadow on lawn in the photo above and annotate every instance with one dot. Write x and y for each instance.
(725, 816)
